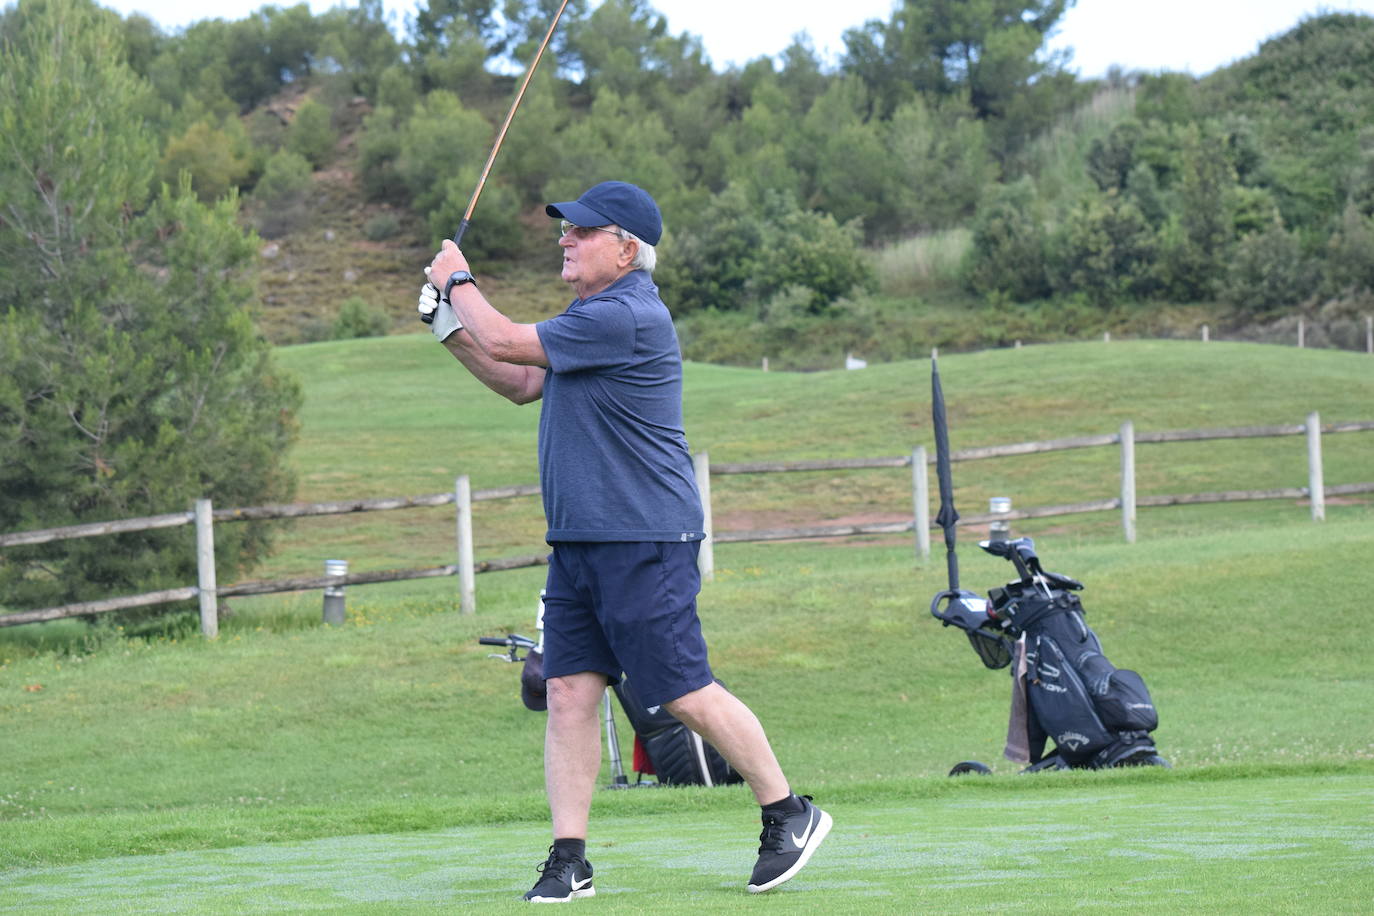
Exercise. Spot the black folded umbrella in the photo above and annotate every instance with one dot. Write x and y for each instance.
(947, 516)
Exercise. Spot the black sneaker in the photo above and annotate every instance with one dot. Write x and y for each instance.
(787, 842)
(562, 878)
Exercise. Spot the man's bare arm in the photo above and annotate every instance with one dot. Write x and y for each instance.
(505, 356)
(521, 384)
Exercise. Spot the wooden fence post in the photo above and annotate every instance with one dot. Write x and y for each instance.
(205, 568)
(1369, 334)
(1315, 487)
(1206, 333)
(1302, 333)
(920, 497)
(467, 588)
(1128, 480)
(706, 559)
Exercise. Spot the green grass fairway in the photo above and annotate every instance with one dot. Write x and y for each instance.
(1042, 844)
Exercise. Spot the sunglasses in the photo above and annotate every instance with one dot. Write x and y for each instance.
(582, 233)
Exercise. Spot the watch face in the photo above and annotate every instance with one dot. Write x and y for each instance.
(458, 278)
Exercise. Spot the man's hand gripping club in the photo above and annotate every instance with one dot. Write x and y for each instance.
(437, 312)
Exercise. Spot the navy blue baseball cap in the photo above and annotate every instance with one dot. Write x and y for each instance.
(618, 202)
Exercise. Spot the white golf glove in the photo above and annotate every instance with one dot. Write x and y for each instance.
(445, 320)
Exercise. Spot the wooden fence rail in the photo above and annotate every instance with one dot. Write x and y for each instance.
(462, 497)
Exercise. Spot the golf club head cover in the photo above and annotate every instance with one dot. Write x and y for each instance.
(443, 321)
(533, 693)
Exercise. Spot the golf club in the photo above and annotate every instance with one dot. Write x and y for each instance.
(500, 137)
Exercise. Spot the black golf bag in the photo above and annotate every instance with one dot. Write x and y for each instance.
(666, 748)
(1098, 715)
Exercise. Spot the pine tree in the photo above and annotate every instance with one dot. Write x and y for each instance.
(133, 379)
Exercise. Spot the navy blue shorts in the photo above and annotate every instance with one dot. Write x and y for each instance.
(627, 606)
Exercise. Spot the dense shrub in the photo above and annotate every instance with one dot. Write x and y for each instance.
(208, 155)
(311, 134)
(443, 146)
(357, 318)
(1268, 274)
(752, 253)
(1350, 254)
(1104, 251)
(379, 148)
(1009, 255)
(381, 227)
(280, 197)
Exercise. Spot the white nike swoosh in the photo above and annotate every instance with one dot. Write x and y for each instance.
(578, 885)
(806, 834)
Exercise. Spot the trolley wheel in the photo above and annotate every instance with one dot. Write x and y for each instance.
(969, 766)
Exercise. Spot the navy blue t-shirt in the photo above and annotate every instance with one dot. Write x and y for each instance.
(613, 458)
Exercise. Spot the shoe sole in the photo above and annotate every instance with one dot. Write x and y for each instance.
(822, 829)
(588, 892)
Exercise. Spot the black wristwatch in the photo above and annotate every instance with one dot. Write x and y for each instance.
(458, 278)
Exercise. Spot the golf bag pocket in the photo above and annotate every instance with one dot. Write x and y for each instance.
(1061, 704)
(681, 758)
(645, 720)
(678, 755)
(1126, 704)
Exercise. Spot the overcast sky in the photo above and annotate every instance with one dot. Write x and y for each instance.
(1194, 36)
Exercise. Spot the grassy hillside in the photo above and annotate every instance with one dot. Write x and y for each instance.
(308, 273)
(398, 416)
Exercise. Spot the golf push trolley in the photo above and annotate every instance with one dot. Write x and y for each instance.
(1063, 687)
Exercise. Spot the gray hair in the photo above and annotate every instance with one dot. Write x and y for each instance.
(645, 256)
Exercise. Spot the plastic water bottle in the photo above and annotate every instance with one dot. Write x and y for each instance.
(334, 612)
(999, 529)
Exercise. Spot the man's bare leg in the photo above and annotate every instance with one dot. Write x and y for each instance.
(572, 750)
(732, 728)
(793, 827)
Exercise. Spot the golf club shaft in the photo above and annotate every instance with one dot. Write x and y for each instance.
(501, 136)
(510, 116)
(613, 742)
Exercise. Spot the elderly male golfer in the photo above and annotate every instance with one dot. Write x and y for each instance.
(624, 520)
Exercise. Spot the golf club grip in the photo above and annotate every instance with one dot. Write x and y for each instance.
(457, 240)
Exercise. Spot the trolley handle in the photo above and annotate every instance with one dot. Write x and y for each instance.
(515, 640)
(513, 643)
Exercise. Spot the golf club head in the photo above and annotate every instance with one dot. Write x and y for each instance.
(1022, 547)
(1021, 553)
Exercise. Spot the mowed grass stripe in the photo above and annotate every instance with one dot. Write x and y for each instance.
(1272, 845)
